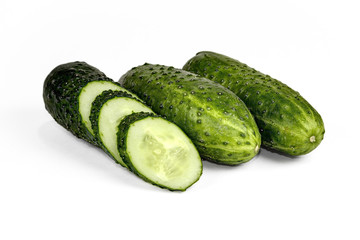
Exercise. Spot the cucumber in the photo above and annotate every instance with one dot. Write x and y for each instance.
(88, 94)
(158, 151)
(287, 122)
(76, 94)
(215, 119)
(107, 111)
(61, 91)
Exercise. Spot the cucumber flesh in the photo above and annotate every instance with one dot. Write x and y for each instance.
(160, 152)
(111, 114)
(88, 95)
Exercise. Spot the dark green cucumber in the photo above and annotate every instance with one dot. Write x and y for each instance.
(61, 91)
(158, 151)
(107, 111)
(287, 122)
(215, 119)
(170, 159)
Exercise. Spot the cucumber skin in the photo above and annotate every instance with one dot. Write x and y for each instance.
(207, 112)
(95, 112)
(285, 119)
(61, 92)
(122, 135)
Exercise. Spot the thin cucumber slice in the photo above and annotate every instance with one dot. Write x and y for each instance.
(88, 95)
(107, 111)
(158, 151)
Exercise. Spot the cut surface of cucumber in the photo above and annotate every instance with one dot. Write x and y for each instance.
(88, 95)
(160, 152)
(111, 114)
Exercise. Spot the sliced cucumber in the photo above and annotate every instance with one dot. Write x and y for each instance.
(85, 108)
(88, 95)
(61, 91)
(107, 111)
(158, 151)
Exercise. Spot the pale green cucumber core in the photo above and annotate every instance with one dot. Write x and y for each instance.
(161, 152)
(111, 114)
(88, 95)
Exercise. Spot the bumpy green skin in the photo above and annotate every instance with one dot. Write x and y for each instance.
(122, 135)
(287, 122)
(95, 111)
(61, 92)
(214, 118)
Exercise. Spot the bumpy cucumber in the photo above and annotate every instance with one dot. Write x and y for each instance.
(287, 122)
(158, 151)
(77, 94)
(61, 92)
(107, 111)
(215, 119)
(88, 94)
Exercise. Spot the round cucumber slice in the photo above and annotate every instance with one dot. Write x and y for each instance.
(112, 112)
(88, 95)
(107, 111)
(159, 151)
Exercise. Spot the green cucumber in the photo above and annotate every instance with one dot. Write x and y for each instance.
(158, 151)
(287, 122)
(215, 119)
(88, 94)
(107, 111)
(76, 94)
(61, 92)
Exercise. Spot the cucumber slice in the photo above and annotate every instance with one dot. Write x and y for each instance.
(88, 95)
(158, 151)
(107, 111)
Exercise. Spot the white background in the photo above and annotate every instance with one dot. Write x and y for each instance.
(55, 186)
